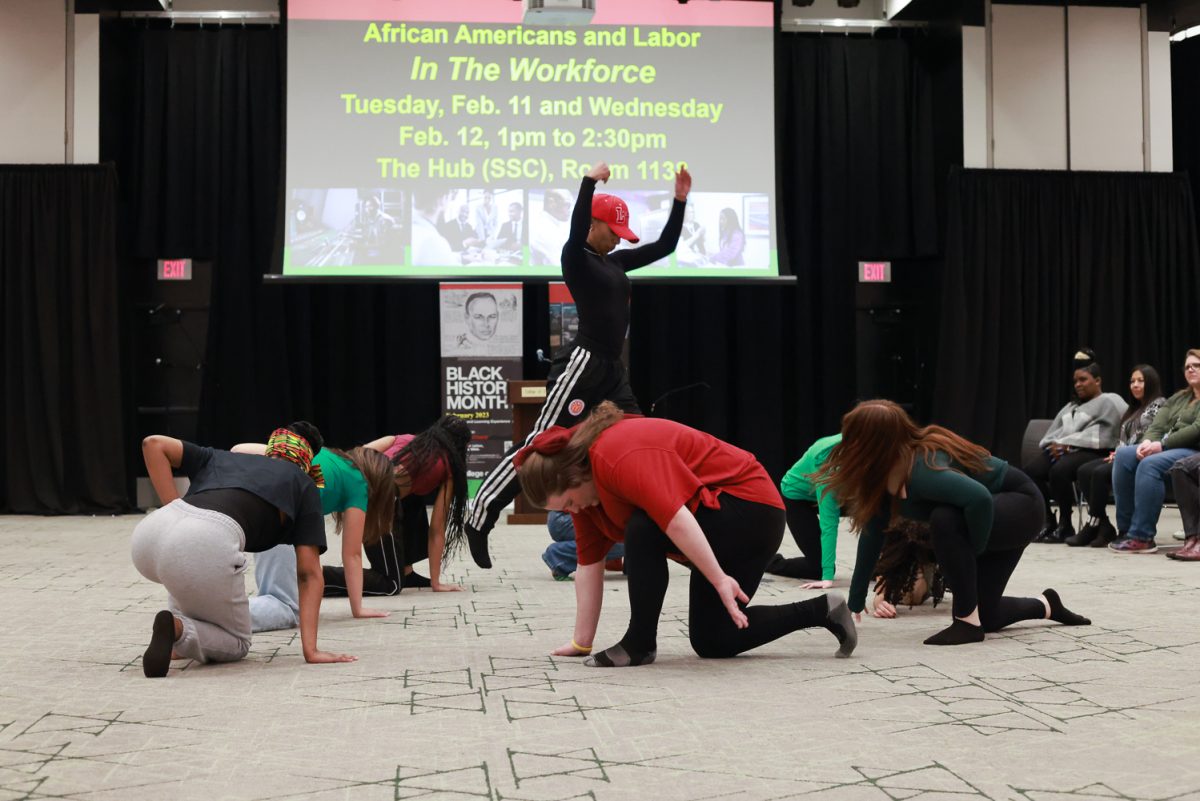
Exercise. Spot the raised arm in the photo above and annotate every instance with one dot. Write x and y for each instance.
(581, 215)
(312, 584)
(634, 258)
(437, 538)
(161, 454)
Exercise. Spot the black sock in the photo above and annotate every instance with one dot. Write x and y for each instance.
(1060, 613)
(415, 579)
(959, 632)
(840, 623)
(620, 656)
(477, 542)
(156, 661)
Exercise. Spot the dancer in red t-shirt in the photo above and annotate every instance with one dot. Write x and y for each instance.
(668, 490)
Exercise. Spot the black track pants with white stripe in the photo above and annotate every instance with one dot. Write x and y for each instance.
(578, 382)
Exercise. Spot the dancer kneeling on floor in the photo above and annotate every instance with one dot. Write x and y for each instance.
(196, 546)
(982, 514)
(358, 490)
(433, 461)
(361, 490)
(667, 490)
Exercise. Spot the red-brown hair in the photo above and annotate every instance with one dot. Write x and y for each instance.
(543, 475)
(876, 435)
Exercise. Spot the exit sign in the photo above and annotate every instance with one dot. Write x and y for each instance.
(874, 272)
(174, 269)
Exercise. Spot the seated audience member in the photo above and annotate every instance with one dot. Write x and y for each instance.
(1185, 480)
(812, 518)
(561, 555)
(1139, 470)
(1094, 479)
(1084, 430)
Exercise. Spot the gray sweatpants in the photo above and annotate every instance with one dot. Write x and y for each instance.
(197, 555)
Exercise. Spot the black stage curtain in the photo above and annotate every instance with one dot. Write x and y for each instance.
(854, 129)
(195, 122)
(63, 447)
(1039, 264)
(1185, 109)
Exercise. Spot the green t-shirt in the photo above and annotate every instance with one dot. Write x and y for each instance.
(797, 486)
(946, 483)
(345, 487)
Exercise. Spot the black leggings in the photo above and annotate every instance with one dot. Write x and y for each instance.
(744, 536)
(1056, 480)
(802, 521)
(979, 580)
(1095, 479)
(407, 543)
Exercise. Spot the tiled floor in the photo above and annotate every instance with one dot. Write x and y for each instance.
(454, 696)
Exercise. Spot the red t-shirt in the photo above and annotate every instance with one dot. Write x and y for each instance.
(658, 466)
(425, 481)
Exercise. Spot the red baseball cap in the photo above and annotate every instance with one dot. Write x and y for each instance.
(612, 210)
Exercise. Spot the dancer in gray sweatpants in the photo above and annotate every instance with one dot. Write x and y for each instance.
(196, 546)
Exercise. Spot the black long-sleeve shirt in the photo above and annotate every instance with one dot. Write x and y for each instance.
(599, 284)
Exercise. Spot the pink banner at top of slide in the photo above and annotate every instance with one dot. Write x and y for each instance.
(697, 13)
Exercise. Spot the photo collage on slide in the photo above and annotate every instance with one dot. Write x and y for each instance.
(498, 227)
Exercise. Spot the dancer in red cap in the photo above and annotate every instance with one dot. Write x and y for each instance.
(592, 371)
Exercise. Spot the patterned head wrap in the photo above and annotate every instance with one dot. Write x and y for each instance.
(290, 446)
(547, 443)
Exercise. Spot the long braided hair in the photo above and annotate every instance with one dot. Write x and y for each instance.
(444, 441)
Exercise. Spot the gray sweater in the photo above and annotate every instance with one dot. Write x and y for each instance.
(1093, 424)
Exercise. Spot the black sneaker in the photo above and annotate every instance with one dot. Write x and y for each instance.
(477, 542)
(1084, 537)
(1105, 533)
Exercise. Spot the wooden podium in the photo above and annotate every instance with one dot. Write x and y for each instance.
(526, 398)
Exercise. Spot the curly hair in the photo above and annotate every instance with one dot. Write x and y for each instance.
(908, 555)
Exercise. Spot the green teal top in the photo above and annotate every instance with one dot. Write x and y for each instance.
(1177, 424)
(946, 483)
(799, 486)
(345, 488)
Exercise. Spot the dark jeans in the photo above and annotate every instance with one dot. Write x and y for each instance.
(1185, 480)
(1095, 482)
(1056, 480)
(743, 536)
(980, 579)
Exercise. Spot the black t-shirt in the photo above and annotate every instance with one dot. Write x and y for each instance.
(599, 284)
(259, 520)
(283, 485)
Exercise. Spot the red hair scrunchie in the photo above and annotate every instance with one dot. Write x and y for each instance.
(547, 443)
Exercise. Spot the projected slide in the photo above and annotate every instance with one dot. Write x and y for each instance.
(448, 139)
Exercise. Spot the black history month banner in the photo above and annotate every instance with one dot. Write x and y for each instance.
(481, 353)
